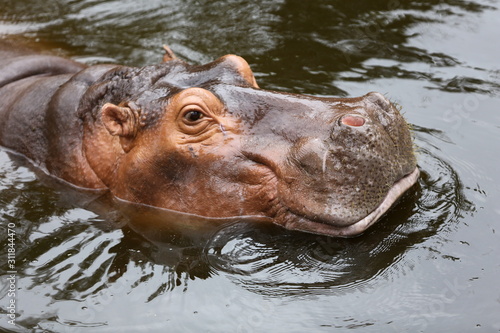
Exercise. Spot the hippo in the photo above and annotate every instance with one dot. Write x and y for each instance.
(206, 140)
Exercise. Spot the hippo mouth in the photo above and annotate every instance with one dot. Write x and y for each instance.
(324, 228)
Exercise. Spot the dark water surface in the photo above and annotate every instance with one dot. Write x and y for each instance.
(431, 265)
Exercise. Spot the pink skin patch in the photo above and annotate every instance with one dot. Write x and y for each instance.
(354, 121)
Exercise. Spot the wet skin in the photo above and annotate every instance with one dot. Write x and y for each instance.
(206, 140)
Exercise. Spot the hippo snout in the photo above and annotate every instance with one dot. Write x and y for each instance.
(345, 181)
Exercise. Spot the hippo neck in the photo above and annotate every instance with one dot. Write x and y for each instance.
(101, 150)
(65, 117)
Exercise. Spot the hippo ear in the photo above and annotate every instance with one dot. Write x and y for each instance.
(121, 121)
(169, 54)
(240, 65)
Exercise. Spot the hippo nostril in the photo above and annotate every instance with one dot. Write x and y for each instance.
(354, 121)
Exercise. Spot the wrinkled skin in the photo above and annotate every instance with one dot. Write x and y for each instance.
(206, 140)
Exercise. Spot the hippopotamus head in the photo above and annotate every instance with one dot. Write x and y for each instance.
(206, 140)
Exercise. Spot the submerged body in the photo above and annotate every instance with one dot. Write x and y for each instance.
(206, 140)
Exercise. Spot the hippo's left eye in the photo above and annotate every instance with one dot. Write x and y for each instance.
(193, 116)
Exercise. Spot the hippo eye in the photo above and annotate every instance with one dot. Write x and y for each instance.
(194, 119)
(193, 116)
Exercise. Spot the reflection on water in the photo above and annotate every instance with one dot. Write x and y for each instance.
(292, 45)
(80, 267)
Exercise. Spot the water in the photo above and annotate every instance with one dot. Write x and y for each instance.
(431, 265)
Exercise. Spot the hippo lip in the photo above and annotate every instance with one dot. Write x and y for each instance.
(356, 228)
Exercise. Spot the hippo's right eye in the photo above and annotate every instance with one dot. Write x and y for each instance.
(195, 110)
(193, 116)
(194, 119)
